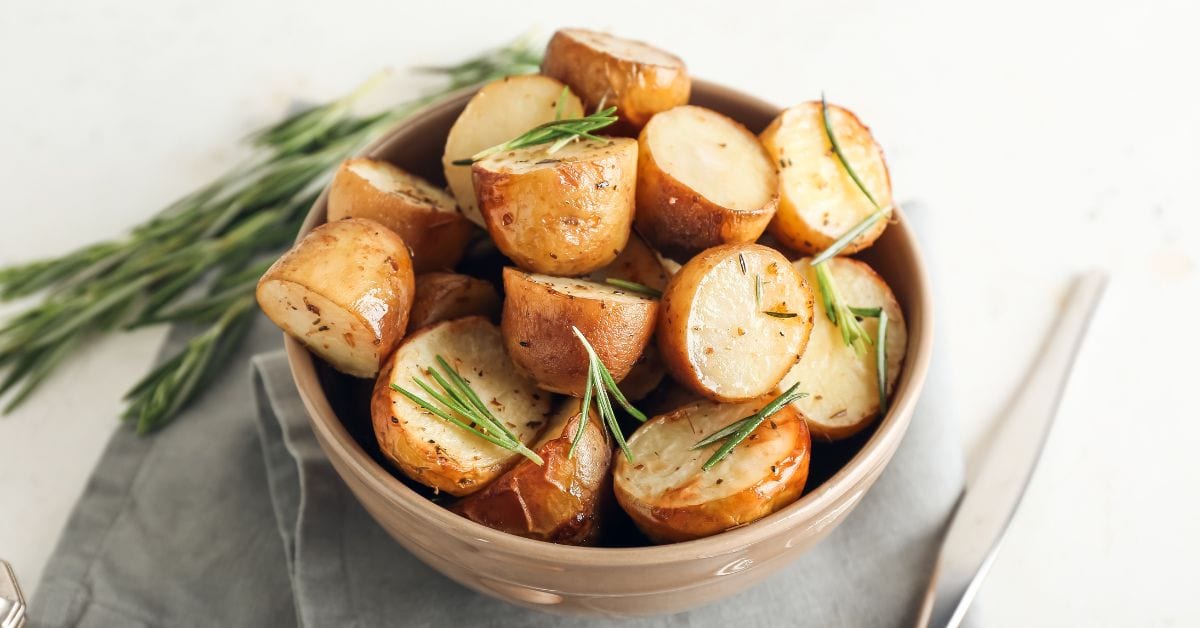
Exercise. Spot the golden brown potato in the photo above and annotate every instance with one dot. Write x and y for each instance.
(671, 498)
(497, 113)
(345, 292)
(433, 451)
(539, 312)
(446, 296)
(637, 263)
(420, 213)
(818, 201)
(703, 180)
(843, 389)
(733, 320)
(645, 376)
(559, 500)
(563, 214)
(639, 79)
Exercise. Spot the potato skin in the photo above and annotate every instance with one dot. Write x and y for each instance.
(436, 239)
(537, 322)
(557, 502)
(639, 90)
(677, 523)
(565, 220)
(446, 296)
(359, 267)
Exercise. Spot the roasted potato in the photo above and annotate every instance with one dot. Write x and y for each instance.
(345, 292)
(703, 180)
(639, 79)
(818, 200)
(637, 263)
(842, 385)
(563, 214)
(559, 500)
(645, 376)
(539, 312)
(733, 320)
(446, 296)
(497, 113)
(671, 498)
(420, 213)
(433, 451)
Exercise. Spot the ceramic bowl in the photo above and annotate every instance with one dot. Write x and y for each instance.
(611, 581)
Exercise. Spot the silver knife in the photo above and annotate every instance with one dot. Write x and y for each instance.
(12, 603)
(994, 492)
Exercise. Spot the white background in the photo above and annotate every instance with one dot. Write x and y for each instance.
(1046, 137)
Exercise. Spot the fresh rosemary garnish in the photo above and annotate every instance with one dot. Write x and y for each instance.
(464, 408)
(601, 384)
(781, 314)
(866, 312)
(557, 133)
(881, 360)
(736, 432)
(742, 262)
(212, 237)
(634, 286)
(758, 291)
(838, 312)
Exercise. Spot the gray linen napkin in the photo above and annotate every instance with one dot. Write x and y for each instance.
(185, 528)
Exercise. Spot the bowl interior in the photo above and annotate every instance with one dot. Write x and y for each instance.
(339, 404)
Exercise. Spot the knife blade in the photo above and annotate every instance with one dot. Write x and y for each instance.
(994, 492)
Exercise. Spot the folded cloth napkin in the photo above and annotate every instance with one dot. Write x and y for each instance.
(190, 527)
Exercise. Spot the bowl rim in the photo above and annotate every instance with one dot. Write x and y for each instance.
(873, 454)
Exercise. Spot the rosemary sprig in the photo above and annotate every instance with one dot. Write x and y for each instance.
(214, 237)
(634, 286)
(557, 133)
(840, 314)
(780, 314)
(463, 407)
(601, 384)
(736, 432)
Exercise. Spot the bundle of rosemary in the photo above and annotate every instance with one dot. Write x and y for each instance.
(216, 241)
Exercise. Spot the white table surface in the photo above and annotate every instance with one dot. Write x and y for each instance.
(1046, 139)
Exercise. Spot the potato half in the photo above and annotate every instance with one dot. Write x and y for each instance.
(433, 451)
(717, 333)
(344, 291)
(671, 498)
(563, 214)
(637, 263)
(446, 296)
(842, 385)
(703, 180)
(645, 376)
(558, 501)
(639, 79)
(419, 212)
(497, 113)
(539, 311)
(818, 201)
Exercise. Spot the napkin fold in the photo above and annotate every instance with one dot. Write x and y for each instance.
(232, 516)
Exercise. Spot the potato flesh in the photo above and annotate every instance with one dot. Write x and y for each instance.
(474, 347)
(713, 155)
(637, 263)
(842, 385)
(819, 202)
(582, 289)
(340, 337)
(392, 180)
(499, 112)
(735, 350)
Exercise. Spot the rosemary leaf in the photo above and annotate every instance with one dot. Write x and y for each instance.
(556, 132)
(634, 286)
(781, 314)
(866, 312)
(585, 411)
(881, 361)
(748, 425)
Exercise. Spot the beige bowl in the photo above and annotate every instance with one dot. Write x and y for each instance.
(610, 581)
